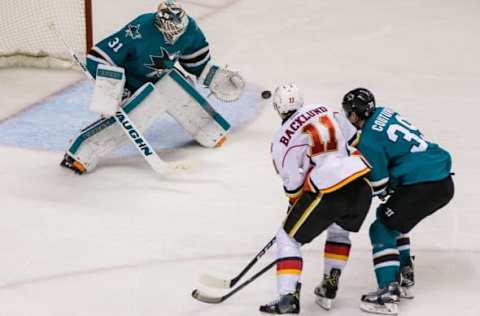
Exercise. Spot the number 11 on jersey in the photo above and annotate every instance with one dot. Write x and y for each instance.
(318, 144)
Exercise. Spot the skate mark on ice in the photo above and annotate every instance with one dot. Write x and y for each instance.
(167, 261)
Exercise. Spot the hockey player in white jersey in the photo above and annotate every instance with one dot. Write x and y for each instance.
(325, 184)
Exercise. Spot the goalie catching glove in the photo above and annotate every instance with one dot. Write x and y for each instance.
(225, 84)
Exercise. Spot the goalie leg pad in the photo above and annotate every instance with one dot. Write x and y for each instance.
(103, 136)
(192, 111)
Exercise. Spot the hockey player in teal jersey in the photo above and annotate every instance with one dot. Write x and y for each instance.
(412, 176)
(147, 50)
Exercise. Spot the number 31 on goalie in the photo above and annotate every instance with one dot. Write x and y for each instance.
(115, 44)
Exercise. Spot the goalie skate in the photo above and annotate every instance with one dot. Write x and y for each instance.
(327, 290)
(383, 301)
(72, 164)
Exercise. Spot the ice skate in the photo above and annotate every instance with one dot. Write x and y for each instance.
(286, 304)
(407, 280)
(383, 301)
(327, 290)
(72, 164)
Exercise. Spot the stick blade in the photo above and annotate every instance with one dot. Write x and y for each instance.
(214, 282)
(205, 298)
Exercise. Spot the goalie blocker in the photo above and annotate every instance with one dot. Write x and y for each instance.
(172, 94)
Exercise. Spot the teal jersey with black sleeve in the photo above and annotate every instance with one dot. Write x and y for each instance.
(399, 153)
(142, 50)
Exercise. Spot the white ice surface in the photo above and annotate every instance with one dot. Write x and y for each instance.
(121, 241)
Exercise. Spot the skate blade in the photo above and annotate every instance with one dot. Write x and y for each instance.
(263, 312)
(407, 293)
(385, 309)
(324, 303)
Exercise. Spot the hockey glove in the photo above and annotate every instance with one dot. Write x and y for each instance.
(225, 84)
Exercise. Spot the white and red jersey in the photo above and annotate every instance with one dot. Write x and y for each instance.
(311, 149)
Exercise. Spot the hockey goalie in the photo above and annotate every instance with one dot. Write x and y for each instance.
(135, 69)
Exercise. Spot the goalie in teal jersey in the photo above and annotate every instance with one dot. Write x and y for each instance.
(142, 54)
(151, 44)
(412, 176)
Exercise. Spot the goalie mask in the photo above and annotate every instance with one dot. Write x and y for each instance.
(286, 99)
(171, 20)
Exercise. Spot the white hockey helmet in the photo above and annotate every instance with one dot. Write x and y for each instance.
(287, 98)
(171, 19)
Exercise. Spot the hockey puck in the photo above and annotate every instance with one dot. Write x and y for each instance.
(266, 94)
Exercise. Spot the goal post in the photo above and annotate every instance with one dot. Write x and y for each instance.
(26, 39)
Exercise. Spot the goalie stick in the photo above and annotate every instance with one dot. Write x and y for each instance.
(205, 298)
(212, 281)
(157, 164)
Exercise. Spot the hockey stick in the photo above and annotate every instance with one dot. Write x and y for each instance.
(133, 133)
(205, 298)
(215, 282)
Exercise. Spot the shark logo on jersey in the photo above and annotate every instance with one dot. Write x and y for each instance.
(133, 31)
(159, 64)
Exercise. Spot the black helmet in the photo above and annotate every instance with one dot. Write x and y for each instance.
(361, 101)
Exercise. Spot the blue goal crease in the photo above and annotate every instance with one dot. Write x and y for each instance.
(52, 123)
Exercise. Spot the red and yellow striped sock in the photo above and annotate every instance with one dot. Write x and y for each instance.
(289, 271)
(336, 255)
(289, 266)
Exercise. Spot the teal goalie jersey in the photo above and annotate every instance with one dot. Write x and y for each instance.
(141, 49)
(399, 153)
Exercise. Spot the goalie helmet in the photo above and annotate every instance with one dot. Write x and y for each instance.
(359, 101)
(171, 20)
(286, 99)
